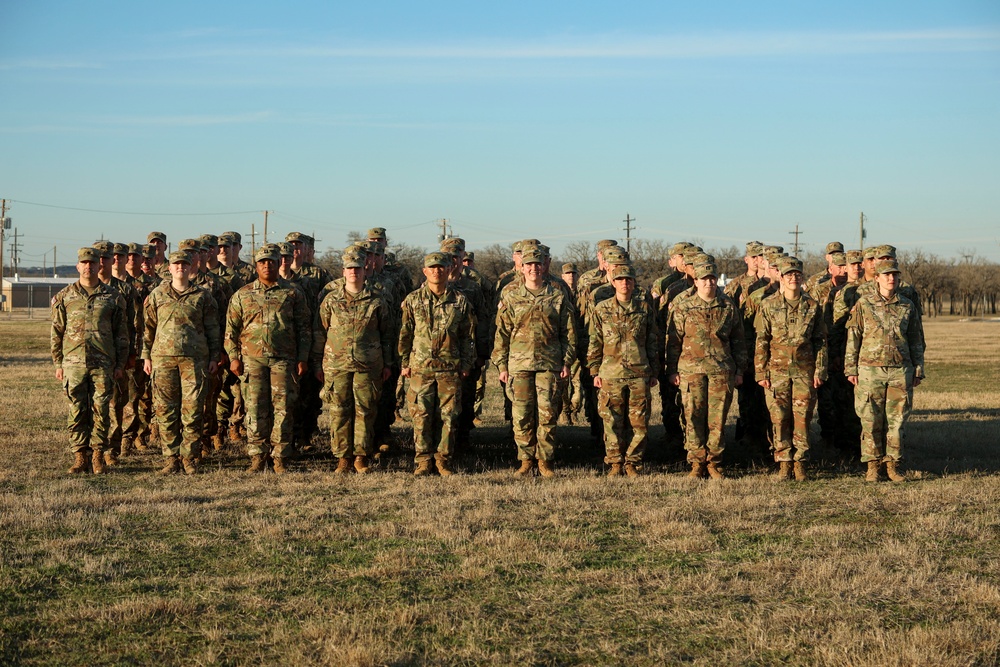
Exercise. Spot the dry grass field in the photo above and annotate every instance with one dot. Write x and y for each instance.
(225, 568)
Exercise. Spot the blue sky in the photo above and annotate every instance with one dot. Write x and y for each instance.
(720, 121)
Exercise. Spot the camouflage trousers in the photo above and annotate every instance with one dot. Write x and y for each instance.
(536, 408)
(230, 409)
(435, 399)
(179, 391)
(755, 420)
(477, 407)
(706, 406)
(354, 400)
(213, 382)
(791, 402)
(119, 399)
(624, 405)
(572, 390)
(883, 399)
(270, 390)
(136, 415)
(89, 391)
(468, 407)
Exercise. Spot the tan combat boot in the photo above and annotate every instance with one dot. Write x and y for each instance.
(361, 465)
(545, 468)
(525, 469)
(873, 471)
(697, 470)
(800, 472)
(190, 465)
(97, 463)
(632, 470)
(110, 458)
(80, 463)
(893, 471)
(616, 470)
(257, 463)
(715, 470)
(218, 442)
(128, 446)
(784, 471)
(343, 465)
(170, 466)
(142, 443)
(444, 467)
(234, 434)
(423, 468)
(279, 465)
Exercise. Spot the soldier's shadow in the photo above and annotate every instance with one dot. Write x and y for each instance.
(955, 440)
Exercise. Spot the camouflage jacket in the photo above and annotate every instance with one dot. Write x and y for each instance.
(815, 280)
(219, 290)
(843, 302)
(228, 276)
(535, 332)
(402, 278)
(486, 286)
(133, 313)
(268, 322)
(89, 329)
(740, 287)
(246, 271)
(836, 336)
(437, 332)
(506, 278)
(660, 285)
(884, 332)
(791, 339)
(317, 273)
(480, 312)
(624, 340)
(705, 337)
(353, 334)
(182, 324)
(751, 306)
(585, 284)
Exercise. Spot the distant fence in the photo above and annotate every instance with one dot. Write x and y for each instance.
(28, 301)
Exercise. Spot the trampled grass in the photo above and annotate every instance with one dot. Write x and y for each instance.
(311, 568)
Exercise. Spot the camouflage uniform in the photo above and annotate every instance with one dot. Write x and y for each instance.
(705, 345)
(791, 353)
(536, 337)
(268, 329)
(437, 344)
(624, 352)
(135, 424)
(754, 423)
(90, 343)
(353, 341)
(885, 350)
(182, 336)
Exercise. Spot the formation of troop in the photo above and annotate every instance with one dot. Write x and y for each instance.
(191, 349)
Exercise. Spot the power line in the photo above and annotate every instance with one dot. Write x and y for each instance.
(97, 210)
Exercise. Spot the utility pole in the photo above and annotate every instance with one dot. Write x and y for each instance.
(795, 250)
(4, 226)
(861, 238)
(628, 231)
(15, 257)
(54, 263)
(445, 230)
(253, 240)
(265, 225)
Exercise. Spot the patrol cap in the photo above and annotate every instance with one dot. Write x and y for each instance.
(606, 243)
(515, 246)
(437, 259)
(854, 256)
(351, 259)
(679, 248)
(149, 251)
(834, 246)
(88, 255)
(690, 253)
(377, 233)
(789, 264)
(623, 271)
(268, 251)
(885, 251)
(106, 248)
(235, 236)
(370, 247)
(569, 267)
(527, 242)
(705, 269)
(224, 241)
(870, 252)
(209, 240)
(134, 249)
(616, 256)
(296, 237)
(755, 249)
(156, 236)
(121, 248)
(886, 266)
(285, 249)
(838, 258)
(453, 245)
(471, 256)
(190, 245)
(532, 255)
(179, 257)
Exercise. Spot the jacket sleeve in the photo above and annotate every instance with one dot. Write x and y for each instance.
(653, 338)
(58, 329)
(737, 341)
(567, 332)
(762, 355)
(466, 338)
(595, 348)
(212, 333)
(386, 329)
(674, 339)
(501, 344)
(915, 339)
(124, 346)
(150, 323)
(406, 328)
(321, 324)
(820, 346)
(855, 334)
(234, 328)
(301, 314)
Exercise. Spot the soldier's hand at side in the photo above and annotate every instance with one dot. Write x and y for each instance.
(213, 366)
(147, 366)
(817, 383)
(59, 374)
(674, 379)
(320, 376)
(597, 381)
(236, 366)
(917, 381)
(853, 379)
(386, 372)
(301, 368)
(652, 381)
(504, 376)
(564, 373)
(405, 372)
(119, 373)
(738, 380)
(766, 384)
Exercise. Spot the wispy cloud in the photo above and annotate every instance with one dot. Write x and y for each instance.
(192, 120)
(48, 64)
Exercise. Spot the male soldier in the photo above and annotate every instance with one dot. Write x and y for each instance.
(90, 348)
(223, 245)
(535, 346)
(818, 278)
(705, 356)
(437, 350)
(352, 352)
(505, 279)
(148, 270)
(594, 278)
(303, 247)
(790, 365)
(400, 276)
(622, 354)
(676, 263)
(160, 264)
(885, 361)
(181, 347)
(133, 323)
(268, 343)
(135, 431)
(739, 288)
(230, 257)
